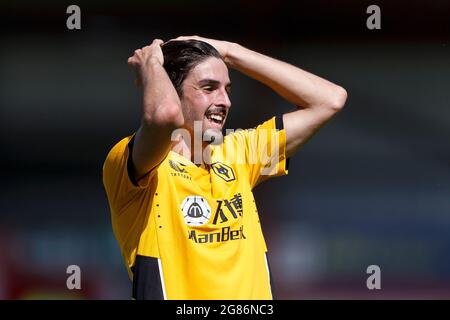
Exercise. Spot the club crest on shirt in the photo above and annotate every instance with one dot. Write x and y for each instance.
(224, 171)
(196, 210)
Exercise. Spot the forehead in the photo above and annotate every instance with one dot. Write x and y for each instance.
(211, 68)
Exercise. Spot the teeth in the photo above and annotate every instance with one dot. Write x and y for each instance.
(216, 117)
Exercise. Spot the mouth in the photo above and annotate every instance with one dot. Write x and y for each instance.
(216, 116)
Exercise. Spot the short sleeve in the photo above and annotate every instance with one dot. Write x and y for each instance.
(118, 178)
(264, 148)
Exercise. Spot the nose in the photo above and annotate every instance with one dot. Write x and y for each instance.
(222, 99)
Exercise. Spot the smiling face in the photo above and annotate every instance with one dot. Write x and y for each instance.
(205, 95)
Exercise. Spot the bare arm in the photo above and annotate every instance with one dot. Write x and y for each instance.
(161, 112)
(317, 99)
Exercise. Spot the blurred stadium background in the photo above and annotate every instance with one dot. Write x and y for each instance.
(373, 187)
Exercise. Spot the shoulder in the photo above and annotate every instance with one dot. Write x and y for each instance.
(116, 160)
(120, 147)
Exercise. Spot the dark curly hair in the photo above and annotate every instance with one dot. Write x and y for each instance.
(180, 56)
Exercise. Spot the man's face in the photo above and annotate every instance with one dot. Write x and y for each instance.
(205, 95)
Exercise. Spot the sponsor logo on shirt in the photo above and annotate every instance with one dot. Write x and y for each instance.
(227, 209)
(224, 235)
(196, 210)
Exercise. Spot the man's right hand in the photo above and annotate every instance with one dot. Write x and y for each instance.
(143, 57)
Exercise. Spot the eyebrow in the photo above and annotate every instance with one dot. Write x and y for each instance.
(212, 82)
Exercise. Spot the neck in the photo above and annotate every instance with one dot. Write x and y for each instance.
(189, 150)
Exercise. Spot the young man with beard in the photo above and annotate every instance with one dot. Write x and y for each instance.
(187, 224)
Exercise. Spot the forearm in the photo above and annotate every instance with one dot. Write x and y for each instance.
(161, 115)
(297, 86)
(161, 104)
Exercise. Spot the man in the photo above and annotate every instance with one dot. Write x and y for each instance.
(185, 219)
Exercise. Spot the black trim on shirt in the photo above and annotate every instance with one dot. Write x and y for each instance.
(279, 122)
(146, 279)
(272, 289)
(130, 167)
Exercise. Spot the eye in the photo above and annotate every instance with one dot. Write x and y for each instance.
(208, 88)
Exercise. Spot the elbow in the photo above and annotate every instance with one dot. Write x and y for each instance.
(166, 115)
(339, 99)
(172, 115)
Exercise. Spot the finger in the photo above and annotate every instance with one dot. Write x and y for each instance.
(157, 42)
(188, 37)
(145, 50)
(176, 39)
(168, 41)
(132, 61)
(137, 53)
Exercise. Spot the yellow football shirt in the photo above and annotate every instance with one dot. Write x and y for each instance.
(193, 232)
